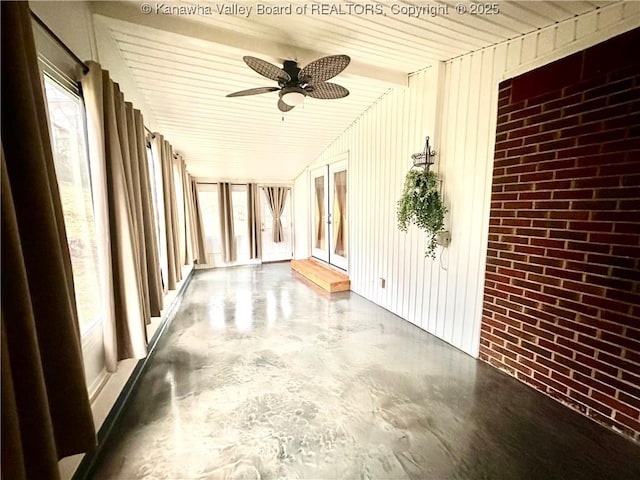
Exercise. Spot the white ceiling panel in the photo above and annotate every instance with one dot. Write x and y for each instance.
(185, 65)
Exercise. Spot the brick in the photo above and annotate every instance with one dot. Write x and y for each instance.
(533, 365)
(569, 235)
(576, 173)
(551, 383)
(551, 262)
(547, 243)
(604, 90)
(555, 224)
(590, 402)
(573, 195)
(585, 106)
(565, 380)
(535, 195)
(596, 385)
(552, 205)
(557, 144)
(619, 385)
(519, 151)
(505, 127)
(588, 268)
(562, 274)
(590, 361)
(593, 205)
(620, 318)
(582, 130)
(603, 137)
(588, 247)
(521, 168)
(560, 124)
(614, 404)
(597, 182)
(620, 192)
(562, 102)
(538, 332)
(589, 319)
(565, 254)
(605, 113)
(629, 422)
(605, 303)
(528, 285)
(615, 360)
(509, 144)
(629, 144)
(558, 312)
(524, 132)
(553, 185)
(629, 400)
(526, 112)
(591, 227)
(612, 260)
(583, 288)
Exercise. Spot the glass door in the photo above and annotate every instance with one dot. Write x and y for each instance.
(273, 251)
(319, 213)
(329, 235)
(338, 214)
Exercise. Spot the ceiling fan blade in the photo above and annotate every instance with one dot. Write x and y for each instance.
(326, 91)
(283, 107)
(253, 91)
(323, 69)
(267, 69)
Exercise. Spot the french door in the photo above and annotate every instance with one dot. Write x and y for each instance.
(329, 214)
(273, 251)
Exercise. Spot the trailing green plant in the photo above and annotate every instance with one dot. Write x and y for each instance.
(421, 204)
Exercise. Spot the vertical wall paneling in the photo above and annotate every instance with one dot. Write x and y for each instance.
(444, 296)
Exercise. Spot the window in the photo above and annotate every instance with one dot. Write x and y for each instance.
(66, 119)
(240, 221)
(208, 197)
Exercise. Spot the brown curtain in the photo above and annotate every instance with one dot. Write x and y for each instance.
(150, 241)
(198, 227)
(114, 156)
(191, 247)
(319, 184)
(181, 230)
(276, 197)
(226, 222)
(165, 157)
(255, 228)
(46, 413)
(341, 194)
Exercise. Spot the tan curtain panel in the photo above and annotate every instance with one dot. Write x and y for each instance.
(178, 179)
(276, 197)
(226, 222)
(254, 221)
(149, 227)
(341, 195)
(319, 184)
(113, 162)
(198, 227)
(165, 157)
(46, 413)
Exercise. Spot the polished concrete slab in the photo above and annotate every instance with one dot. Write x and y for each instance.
(261, 377)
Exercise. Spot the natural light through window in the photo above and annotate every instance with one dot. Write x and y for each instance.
(66, 118)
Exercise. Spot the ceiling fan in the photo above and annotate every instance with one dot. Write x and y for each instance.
(294, 84)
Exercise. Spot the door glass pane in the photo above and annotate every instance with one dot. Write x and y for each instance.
(240, 221)
(208, 196)
(66, 117)
(339, 213)
(319, 231)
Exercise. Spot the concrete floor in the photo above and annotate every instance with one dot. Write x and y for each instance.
(261, 377)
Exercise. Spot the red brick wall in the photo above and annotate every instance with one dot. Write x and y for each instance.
(562, 292)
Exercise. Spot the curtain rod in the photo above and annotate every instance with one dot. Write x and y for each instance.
(153, 135)
(64, 46)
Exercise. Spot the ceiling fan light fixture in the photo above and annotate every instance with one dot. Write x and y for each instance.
(293, 96)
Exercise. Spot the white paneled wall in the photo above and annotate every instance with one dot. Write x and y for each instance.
(455, 103)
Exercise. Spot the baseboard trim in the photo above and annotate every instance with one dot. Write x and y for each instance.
(90, 460)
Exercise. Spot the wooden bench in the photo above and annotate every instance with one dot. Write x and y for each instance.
(323, 275)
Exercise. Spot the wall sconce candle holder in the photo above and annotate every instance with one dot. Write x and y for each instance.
(424, 158)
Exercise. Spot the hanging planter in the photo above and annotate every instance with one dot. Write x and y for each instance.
(421, 204)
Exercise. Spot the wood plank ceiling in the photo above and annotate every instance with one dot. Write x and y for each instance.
(184, 65)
